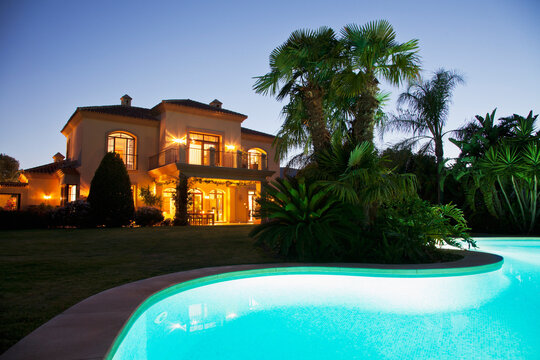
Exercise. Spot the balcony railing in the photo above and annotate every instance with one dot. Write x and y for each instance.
(209, 157)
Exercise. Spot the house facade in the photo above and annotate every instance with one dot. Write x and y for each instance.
(225, 163)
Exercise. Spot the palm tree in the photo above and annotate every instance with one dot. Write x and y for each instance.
(373, 53)
(302, 69)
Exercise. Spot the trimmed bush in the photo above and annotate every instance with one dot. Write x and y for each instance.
(148, 216)
(74, 214)
(110, 195)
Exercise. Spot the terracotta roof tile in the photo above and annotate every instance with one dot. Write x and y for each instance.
(131, 111)
(200, 105)
(255, 132)
(52, 167)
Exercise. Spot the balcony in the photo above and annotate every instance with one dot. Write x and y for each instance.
(209, 157)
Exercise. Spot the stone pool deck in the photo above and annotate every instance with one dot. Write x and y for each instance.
(87, 330)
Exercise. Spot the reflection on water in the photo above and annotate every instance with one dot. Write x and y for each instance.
(350, 317)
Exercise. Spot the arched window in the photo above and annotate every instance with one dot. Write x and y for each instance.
(124, 145)
(256, 160)
(196, 203)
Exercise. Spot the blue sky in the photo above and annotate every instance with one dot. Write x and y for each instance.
(57, 55)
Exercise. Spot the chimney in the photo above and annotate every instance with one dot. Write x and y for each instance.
(58, 157)
(125, 100)
(216, 103)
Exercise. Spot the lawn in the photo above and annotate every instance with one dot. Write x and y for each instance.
(44, 272)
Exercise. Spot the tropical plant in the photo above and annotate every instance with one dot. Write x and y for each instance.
(148, 197)
(507, 176)
(303, 221)
(9, 168)
(476, 137)
(372, 54)
(428, 105)
(110, 194)
(357, 176)
(302, 69)
(410, 230)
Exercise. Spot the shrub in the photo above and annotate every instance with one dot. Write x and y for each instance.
(110, 195)
(410, 229)
(35, 217)
(148, 216)
(149, 198)
(74, 214)
(305, 222)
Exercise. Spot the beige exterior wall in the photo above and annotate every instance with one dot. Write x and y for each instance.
(89, 144)
(264, 143)
(176, 124)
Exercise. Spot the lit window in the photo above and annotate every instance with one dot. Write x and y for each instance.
(134, 194)
(124, 145)
(255, 159)
(9, 202)
(72, 193)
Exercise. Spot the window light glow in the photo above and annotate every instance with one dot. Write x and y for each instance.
(182, 141)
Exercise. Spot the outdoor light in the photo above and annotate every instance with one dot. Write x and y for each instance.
(230, 147)
(180, 141)
(47, 197)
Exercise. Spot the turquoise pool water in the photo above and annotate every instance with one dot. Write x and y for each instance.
(493, 315)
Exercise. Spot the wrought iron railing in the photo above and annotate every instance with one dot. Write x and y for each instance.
(209, 157)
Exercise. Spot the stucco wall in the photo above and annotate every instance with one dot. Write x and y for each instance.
(92, 143)
(177, 125)
(263, 143)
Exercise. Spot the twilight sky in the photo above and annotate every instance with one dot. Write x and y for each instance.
(57, 55)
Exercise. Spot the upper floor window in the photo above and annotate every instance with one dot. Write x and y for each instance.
(199, 148)
(124, 145)
(255, 159)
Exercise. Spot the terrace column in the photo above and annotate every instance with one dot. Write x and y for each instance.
(212, 156)
(264, 162)
(181, 154)
(238, 159)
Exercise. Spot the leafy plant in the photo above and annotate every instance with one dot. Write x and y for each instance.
(74, 214)
(507, 176)
(304, 221)
(410, 230)
(149, 198)
(9, 168)
(181, 201)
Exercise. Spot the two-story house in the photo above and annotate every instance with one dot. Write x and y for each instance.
(225, 162)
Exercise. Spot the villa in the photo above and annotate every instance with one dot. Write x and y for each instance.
(225, 162)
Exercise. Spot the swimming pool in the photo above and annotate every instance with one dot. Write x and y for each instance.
(325, 315)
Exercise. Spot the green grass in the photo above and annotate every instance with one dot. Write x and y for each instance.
(44, 272)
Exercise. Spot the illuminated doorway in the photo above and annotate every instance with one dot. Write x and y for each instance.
(168, 203)
(196, 204)
(217, 200)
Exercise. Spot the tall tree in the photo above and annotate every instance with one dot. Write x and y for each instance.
(9, 168)
(302, 69)
(372, 54)
(110, 196)
(428, 104)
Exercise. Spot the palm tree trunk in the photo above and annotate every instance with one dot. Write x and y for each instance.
(439, 158)
(364, 118)
(316, 124)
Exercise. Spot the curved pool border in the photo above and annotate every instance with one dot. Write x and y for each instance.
(93, 328)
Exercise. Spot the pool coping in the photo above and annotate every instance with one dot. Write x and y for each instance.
(88, 330)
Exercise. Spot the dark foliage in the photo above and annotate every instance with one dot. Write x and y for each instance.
(35, 217)
(181, 199)
(110, 195)
(148, 216)
(74, 214)
(9, 168)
